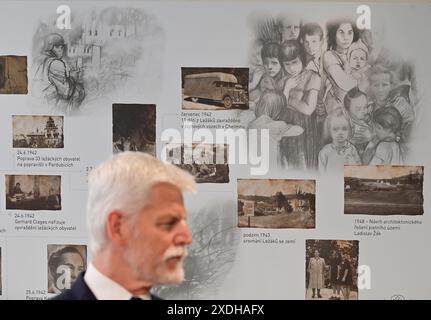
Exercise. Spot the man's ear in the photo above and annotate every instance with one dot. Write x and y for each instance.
(116, 226)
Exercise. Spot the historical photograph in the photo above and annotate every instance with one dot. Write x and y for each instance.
(13, 75)
(214, 88)
(37, 131)
(349, 99)
(65, 263)
(33, 192)
(383, 190)
(331, 269)
(276, 203)
(208, 163)
(105, 50)
(134, 128)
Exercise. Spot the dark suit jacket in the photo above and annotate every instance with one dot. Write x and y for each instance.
(80, 291)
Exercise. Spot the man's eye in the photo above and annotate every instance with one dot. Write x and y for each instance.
(168, 224)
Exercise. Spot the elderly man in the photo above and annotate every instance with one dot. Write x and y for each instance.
(138, 230)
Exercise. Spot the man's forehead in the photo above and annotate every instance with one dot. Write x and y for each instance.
(165, 184)
(165, 198)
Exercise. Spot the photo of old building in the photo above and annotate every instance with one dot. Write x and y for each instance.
(276, 203)
(37, 131)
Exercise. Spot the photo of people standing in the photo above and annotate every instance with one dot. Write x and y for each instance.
(332, 269)
(353, 99)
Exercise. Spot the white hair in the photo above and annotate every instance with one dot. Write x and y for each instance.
(121, 183)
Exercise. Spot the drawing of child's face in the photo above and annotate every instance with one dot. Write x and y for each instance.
(344, 36)
(272, 66)
(382, 133)
(339, 130)
(312, 44)
(358, 59)
(293, 67)
(359, 108)
(380, 86)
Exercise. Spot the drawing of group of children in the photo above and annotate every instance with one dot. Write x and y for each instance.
(348, 104)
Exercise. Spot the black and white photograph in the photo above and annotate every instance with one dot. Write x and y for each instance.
(331, 269)
(214, 88)
(384, 190)
(276, 203)
(208, 163)
(37, 131)
(33, 192)
(343, 95)
(13, 75)
(104, 51)
(134, 128)
(65, 263)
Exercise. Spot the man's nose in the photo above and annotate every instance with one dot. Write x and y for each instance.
(184, 235)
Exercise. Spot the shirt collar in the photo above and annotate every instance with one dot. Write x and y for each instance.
(105, 288)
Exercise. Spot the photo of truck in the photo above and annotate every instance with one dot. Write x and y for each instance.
(220, 89)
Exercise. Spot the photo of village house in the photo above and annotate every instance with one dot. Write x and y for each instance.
(37, 131)
(383, 190)
(13, 75)
(207, 162)
(276, 203)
